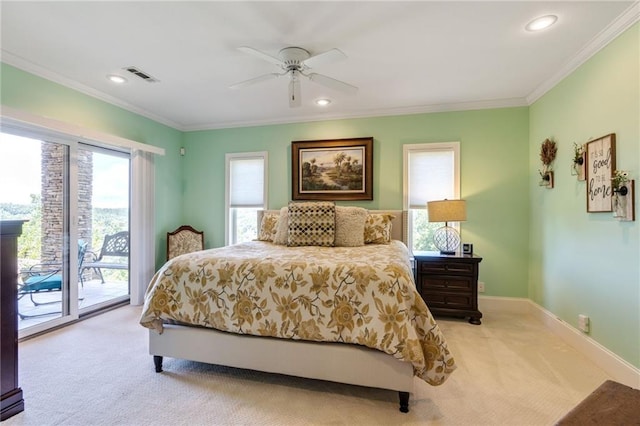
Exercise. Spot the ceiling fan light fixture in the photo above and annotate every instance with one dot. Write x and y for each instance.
(323, 102)
(541, 23)
(116, 79)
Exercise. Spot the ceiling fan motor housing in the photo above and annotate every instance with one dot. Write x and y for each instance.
(292, 57)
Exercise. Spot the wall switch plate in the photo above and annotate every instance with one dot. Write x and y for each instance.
(480, 287)
(583, 323)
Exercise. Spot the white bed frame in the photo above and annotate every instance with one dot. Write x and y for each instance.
(336, 362)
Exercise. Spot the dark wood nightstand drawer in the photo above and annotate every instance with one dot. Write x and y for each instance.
(444, 268)
(448, 300)
(447, 283)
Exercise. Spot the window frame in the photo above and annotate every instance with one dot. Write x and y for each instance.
(407, 150)
(229, 215)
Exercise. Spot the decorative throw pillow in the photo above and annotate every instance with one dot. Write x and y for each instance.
(350, 226)
(312, 224)
(377, 229)
(282, 232)
(268, 227)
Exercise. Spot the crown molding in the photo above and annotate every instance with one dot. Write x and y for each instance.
(602, 39)
(452, 107)
(28, 66)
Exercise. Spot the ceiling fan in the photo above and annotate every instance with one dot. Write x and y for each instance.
(295, 62)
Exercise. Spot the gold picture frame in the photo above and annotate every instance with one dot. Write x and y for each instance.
(333, 169)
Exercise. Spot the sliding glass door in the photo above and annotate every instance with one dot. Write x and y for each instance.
(35, 176)
(103, 223)
(74, 196)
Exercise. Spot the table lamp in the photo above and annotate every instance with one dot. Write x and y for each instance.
(446, 238)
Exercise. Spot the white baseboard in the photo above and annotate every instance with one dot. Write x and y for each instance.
(503, 304)
(619, 369)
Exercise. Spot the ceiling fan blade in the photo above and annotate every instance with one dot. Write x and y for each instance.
(332, 83)
(254, 80)
(261, 55)
(294, 92)
(329, 56)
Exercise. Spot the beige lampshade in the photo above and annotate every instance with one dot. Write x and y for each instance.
(447, 211)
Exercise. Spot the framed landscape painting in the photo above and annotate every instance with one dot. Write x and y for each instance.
(335, 169)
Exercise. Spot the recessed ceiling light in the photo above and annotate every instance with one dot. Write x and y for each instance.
(541, 23)
(116, 79)
(323, 102)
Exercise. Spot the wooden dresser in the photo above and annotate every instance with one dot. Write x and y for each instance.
(11, 401)
(449, 284)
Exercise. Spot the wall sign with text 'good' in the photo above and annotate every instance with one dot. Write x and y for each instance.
(600, 164)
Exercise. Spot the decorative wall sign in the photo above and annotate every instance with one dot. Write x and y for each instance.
(338, 169)
(601, 162)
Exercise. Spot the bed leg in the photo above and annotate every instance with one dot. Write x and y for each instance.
(157, 360)
(404, 401)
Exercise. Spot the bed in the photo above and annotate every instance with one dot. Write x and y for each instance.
(348, 314)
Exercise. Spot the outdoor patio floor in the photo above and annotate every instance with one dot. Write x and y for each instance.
(92, 293)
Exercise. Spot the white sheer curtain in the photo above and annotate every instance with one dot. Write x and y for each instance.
(142, 261)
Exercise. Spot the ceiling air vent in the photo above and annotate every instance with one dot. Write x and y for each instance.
(143, 75)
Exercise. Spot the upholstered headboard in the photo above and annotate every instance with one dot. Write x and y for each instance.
(398, 223)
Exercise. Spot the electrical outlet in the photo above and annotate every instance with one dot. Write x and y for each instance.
(480, 287)
(583, 323)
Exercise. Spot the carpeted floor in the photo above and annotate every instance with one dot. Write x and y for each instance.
(511, 371)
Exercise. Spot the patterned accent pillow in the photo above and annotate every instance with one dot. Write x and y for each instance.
(312, 224)
(268, 227)
(350, 226)
(377, 228)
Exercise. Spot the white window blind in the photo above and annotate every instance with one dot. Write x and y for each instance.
(246, 182)
(431, 171)
(245, 193)
(431, 176)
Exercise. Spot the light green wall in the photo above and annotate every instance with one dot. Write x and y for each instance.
(36, 95)
(588, 263)
(535, 242)
(494, 176)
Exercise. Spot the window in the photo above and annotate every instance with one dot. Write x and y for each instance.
(246, 193)
(431, 172)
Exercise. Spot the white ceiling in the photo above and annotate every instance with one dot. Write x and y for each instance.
(405, 57)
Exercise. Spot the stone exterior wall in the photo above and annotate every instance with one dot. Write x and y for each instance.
(53, 198)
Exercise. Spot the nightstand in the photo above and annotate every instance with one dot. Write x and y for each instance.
(449, 283)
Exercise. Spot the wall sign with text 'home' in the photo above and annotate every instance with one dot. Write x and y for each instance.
(600, 164)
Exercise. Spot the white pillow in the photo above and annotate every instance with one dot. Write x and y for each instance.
(350, 223)
(282, 234)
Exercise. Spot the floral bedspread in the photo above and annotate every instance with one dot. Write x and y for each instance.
(357, 295)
